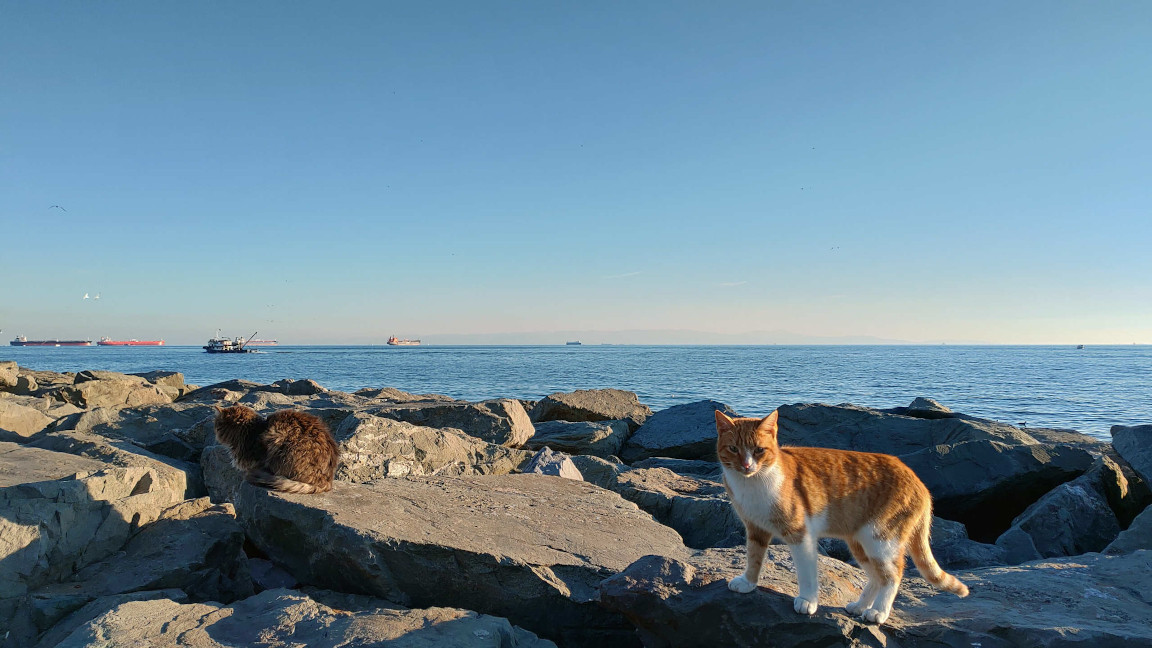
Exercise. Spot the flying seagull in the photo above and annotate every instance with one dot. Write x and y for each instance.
(85, 295)
(58, 207)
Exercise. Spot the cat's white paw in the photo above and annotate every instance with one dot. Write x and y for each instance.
(741, 584)
(853, 607)
(872, 615)
(804, 606)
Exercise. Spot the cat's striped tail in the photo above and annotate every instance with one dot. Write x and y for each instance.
(282, 484)
(921, 553)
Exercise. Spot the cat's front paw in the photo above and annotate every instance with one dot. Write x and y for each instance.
(804, 606)
(741, 585)
(873, 615)
(853, 607)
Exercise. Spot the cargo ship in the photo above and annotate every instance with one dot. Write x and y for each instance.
(395, 341)
(263, 342)
(133, 342)
(23, 341)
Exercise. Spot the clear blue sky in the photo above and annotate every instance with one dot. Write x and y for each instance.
(338, 172)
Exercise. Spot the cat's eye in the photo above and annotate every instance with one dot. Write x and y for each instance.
(760, 451)
(732, 449)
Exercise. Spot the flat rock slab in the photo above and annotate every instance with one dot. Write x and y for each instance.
(283, 618)
(529, 547)
(592, 405)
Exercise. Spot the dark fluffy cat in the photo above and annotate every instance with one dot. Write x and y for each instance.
(289, 451)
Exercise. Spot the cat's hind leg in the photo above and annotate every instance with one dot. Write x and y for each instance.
(868, 595)
(888, 558)
(758, 541)
(804, 557)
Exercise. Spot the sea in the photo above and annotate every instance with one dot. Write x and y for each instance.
(1088, 390)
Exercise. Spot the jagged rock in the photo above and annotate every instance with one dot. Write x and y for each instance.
(19, 422)
(193, 547)
(373, 447)
(64, 512)
(590, 405)
(1134, 444)
(394, 395)
(598, 471)
(282, 618)
(162, 429)
(954, 550)
(601, 439)
(266, 575)
(109, 389)
(929, 404)
(502, 421)
(682, 432)
(9, 371)
(526, 546)
(218, 391)
(305, 387)
(1090, 600)
(174, 475)
(1137, 536)
(172, 379)
(70, 623)
(687, 467)
(557, 464)
(697, 509)
(26, 385)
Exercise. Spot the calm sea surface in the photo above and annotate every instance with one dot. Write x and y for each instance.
(1089, 390)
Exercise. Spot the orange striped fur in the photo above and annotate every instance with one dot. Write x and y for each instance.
(871, 501)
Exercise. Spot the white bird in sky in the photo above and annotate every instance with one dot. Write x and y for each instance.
(85, 295)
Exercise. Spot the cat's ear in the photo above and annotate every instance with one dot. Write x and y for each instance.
(723, 423)
(768, 423)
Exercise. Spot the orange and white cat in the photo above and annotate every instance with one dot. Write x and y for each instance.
(873, 502)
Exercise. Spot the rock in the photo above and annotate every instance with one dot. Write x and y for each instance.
(927, 404)
(986, 484)
(19, 422)
(556, 464)
(697, 509)
(162, 429)
(710, 470)
(57, 520)
(373, 447)
(682, 432)
(687, 603)
(172, 379)
(1090, 600)
(598, 471)
(306, 387)
(9, 371)
(954, 550)
(218, 391)
(267, 575)
(25, 385)
(394, 395)
(503, 421)
(195, 547)
(70, 623)
(176, 476)
(1136, 537)
(110, 389)
(222, 478)
(1134, 444)
(528, 546)
(601, 439)
(281, 618)
(591, 405)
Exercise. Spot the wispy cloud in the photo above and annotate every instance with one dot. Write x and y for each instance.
(626, 274)
(729, 284)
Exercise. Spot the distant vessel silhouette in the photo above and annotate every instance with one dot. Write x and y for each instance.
(395, 341)
(573, 343)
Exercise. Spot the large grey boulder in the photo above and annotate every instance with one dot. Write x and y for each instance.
(1137, 536)
(282, 618)
(66, 626)
(685, 431)
(1134, 444)
(501, 421)
(110, 389)
(393, 395)
(1090, 600)
(1071, 519)
(162, 429)
(19, 422)
(953, 549)
(601, 439)
(529, 547)
(589, 405)
(62, 513)
(194, 547)
(698, 509)
(372, 447)
(174, 475)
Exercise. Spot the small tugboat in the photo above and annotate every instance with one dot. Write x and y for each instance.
(1079, 346)
(220, 344)
(395, 341)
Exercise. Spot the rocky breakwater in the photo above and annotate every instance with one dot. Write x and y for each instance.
(434, 534)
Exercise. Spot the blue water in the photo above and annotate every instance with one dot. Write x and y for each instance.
(1057, 386)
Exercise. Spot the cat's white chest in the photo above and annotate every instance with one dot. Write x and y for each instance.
(755, 497)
